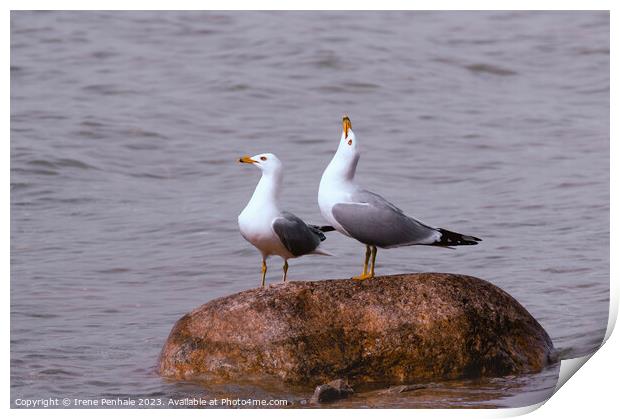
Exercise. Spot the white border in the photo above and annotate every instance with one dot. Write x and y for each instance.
(594, 390)
(311, 5)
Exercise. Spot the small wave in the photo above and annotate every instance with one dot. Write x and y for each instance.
(361, 85)
(108, 90)
(92, 135)
(42, 163)
(51, 41)
(32, 30)
(110, 311)
(102, 55)
(57, 371)
(445, 60)
(37, 315)
(18, 186)
(427, 117)
(72, 201)
(593, 51)
(331, 62)
(238, 87)
(490, 69)
(564, 270)
(141, 146)
(484, 147)
(89, 123)
(34, 171)
(585, 286)
(139, 132)
(349, 87)
(480, 41)
(60, 163)
(36, 114)
(532, 207)
(148, 176)
(576, 184)
(196, 32)
(113, 270)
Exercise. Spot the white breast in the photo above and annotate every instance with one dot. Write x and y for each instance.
(255, 225)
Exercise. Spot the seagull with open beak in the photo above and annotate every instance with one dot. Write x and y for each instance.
(367, 217)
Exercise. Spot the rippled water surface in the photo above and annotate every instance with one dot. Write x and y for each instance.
(125, 129)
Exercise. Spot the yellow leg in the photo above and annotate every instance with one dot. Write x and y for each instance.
(264, 271)
(285, 269)
(365, 274)
(372, 262)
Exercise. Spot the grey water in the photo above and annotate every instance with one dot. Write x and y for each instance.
(125, 132)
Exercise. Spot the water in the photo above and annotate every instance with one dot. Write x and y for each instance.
(125, 130)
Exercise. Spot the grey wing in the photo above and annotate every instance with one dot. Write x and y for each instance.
(298, 237)
(373, 220)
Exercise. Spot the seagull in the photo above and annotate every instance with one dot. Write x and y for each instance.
(270, 230)
(367, 217)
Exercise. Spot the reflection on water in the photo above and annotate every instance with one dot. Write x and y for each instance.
(480, 393)
(125, 129)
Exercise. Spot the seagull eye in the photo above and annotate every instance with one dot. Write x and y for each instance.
(263, 158)
(350, 142)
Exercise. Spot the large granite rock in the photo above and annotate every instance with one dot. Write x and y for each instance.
(391, 329)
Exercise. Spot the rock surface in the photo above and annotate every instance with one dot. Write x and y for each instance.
(391, 329)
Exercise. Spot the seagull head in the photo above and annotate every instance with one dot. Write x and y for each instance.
(343, 164)
(267, 162)
(348, 142)
(348, 152)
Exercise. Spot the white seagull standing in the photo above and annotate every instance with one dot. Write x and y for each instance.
(271, 231)
(368, 217)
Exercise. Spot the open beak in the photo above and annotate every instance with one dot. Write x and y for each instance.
(247, 159)
(346, 125)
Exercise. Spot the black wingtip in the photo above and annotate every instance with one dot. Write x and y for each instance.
(450, 238)
(319, 230)
(324, 229)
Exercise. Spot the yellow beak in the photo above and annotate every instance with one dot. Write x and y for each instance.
(346, 125)
(247, 159)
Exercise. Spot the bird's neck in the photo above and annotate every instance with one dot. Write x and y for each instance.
(341, 168)
(267, 191)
